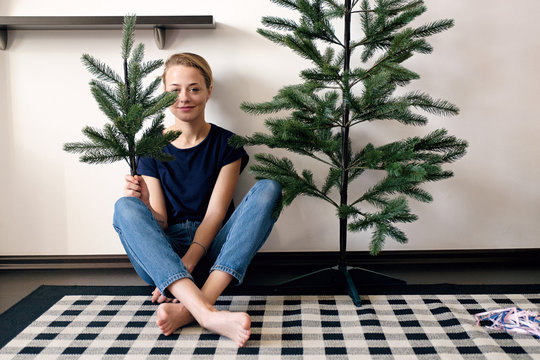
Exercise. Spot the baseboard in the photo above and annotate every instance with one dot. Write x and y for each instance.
(64, 262)
(298, 259)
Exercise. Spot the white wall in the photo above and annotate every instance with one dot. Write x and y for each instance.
(487, 65)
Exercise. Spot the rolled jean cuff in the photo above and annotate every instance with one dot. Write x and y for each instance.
(163, 286)
(239, 277)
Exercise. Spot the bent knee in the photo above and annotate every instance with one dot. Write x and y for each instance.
(270, 190)
(125, 203)
(126, 208)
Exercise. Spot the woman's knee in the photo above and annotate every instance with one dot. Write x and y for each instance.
(269, 190)
(126, 208)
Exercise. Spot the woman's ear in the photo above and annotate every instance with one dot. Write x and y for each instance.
(210, 91)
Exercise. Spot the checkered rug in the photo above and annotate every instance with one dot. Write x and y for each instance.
(283, 327)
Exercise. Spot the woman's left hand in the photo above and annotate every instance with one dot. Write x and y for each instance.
(159, 298)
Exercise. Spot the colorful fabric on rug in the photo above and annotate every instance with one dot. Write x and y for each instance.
(286, 327)
(512, 320)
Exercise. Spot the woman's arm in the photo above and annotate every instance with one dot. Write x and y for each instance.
(148, 189)
(215, 214)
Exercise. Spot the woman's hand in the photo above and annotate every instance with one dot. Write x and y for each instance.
(136, 186)
(159, 298)
(141, 187)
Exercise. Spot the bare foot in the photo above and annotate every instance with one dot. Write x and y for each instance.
(172, 316)
(234, 325)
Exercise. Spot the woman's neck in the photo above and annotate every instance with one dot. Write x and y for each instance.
(192, 134)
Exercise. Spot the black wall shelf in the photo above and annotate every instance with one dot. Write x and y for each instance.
(158, 23)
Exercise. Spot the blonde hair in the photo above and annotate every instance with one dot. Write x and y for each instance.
(190, 60)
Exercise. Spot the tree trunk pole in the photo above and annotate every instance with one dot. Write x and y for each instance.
(345, 138)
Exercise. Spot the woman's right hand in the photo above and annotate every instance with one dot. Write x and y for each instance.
(136, 187)
(140, 187)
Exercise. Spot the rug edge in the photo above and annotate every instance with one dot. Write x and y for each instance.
(24, 312)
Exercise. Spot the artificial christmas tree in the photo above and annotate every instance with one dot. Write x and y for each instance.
(127, 103)
(335, 96)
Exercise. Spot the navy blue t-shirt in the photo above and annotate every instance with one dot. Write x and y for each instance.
(188, 181)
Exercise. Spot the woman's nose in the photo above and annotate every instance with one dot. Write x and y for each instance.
(183, 96)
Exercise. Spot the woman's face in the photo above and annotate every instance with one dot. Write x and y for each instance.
(189, 84)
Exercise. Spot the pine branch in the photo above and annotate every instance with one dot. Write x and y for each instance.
(329, 71)
(133, 81)
(367, 19)
(438, 141)
(150, 66)
(81, 147)
(99, 69)
(427, 103)
(94, 153)
(116, 140)
(398, 74)
(103, 139)
(101, 156)
(155, 138)
(433, 28)
(316, 24)
(288, 98)
(162, 102)
(395, 211)
(134, 119)
(409, 163)
(286, 3)
(282, 171)
(146, 96)
(336, 10)
(279, 23)
(108, 93)
(105, 99)
(137, 55)
(307, 147)
(127, 35)
(403, 18)
(418, 194)
(304, 47)
(273, 36)
(333, 179)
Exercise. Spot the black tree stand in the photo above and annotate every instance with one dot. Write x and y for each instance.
(339, 277)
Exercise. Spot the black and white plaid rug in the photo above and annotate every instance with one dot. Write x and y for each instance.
(288, 327)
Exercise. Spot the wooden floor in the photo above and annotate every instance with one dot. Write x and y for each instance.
(16, 284)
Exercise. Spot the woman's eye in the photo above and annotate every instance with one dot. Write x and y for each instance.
(194, 89)
(175, 91)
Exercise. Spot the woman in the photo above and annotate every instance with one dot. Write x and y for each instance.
(175, 215)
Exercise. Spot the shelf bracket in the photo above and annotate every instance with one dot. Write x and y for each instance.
(159, 37)
(3, 39)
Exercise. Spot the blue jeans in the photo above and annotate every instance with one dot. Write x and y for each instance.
(156, 253)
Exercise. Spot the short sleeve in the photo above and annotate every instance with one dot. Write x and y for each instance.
(232, 154)
(147, 166)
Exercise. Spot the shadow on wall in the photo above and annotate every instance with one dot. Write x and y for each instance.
(32, 190)
(5, 8)
(6, 143)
